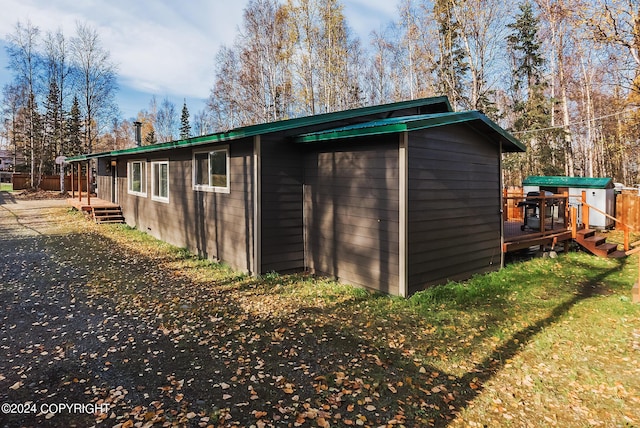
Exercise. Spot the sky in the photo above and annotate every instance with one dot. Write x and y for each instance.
(164, 48)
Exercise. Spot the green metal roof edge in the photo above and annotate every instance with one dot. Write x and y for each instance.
(283, 125)
(80, 158)
(360, 130)
(564, 181)
(407, 123)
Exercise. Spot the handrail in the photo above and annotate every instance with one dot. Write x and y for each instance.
(625, 227)
(604, 213)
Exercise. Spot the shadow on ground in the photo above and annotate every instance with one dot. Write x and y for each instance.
(85, 320)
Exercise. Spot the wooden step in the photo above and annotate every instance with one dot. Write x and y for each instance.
(596, 240)
(586, 233)
(607, 247)
(596, 244)
(107, 215)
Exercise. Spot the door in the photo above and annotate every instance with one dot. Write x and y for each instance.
(114, 182)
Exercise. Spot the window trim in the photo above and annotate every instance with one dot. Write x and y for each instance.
(209, 188)
(143, 174)
(154, 165)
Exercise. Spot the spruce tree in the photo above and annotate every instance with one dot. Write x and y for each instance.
(74, 130)
(452, 65)
(530, 102)
(150, 138)
(53, 128)
(185, 126)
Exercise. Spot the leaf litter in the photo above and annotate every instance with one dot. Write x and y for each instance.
(100, 315)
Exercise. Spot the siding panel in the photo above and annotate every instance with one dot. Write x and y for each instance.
(218, 226)
(454, 203)
(351, 212)
(282, 206)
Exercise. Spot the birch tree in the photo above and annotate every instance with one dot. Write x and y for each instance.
(96, 82)
(25, 63)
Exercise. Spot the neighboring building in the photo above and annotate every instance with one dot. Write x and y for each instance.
(600, 193)
(8, 161)
(394, 197)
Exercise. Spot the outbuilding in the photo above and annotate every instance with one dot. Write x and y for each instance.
(393, 197)
(600, 193)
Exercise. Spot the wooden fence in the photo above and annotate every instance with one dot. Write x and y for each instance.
(511, 210)
(628, 208)
(48, 182)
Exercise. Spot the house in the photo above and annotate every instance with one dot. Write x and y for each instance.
(11, 160)
(392, 197)
(600, 193)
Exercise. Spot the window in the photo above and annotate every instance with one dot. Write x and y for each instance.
(137, 178)
(160, 181)
(211, 170)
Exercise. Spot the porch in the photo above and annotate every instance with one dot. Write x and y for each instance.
(97, 209)
(535, 219)
(543, 218)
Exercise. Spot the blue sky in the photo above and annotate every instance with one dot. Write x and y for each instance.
(156, 43)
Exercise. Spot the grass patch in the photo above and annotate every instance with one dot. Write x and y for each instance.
(545, 342)
(6, 187)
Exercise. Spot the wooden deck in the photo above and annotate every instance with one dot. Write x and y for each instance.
(515, 238)
(84, 205)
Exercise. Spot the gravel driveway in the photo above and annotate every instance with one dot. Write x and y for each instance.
(43, 325)
(60, 347)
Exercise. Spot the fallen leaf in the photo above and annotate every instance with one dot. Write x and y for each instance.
(16, 385)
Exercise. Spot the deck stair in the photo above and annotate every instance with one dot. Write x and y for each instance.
(107, 214)
(597, 244)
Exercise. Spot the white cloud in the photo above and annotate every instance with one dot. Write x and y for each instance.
(165, 47)
(365, 16)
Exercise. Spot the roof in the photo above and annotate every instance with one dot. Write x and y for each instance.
(475, 119)
(574, 182)
(420, 106)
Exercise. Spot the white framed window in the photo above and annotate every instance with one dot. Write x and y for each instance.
(211, 170)
(137, 177)
(160, 181)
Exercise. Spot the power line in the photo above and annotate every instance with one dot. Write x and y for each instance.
(577, 123)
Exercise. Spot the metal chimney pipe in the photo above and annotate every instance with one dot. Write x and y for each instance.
(138, 126)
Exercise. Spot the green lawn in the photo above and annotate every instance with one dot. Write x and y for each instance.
(6, 187)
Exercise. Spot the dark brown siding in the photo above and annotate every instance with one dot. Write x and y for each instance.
(351, 212)
(214, 225)
(454, 203)
(282, 230)
(104, 179)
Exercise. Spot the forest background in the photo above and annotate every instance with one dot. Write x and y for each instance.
(563, 76)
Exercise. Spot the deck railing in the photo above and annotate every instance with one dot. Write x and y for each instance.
(552, 211)
(586, 208)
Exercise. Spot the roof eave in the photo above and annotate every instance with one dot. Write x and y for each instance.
(279, 126)
(510, 143)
